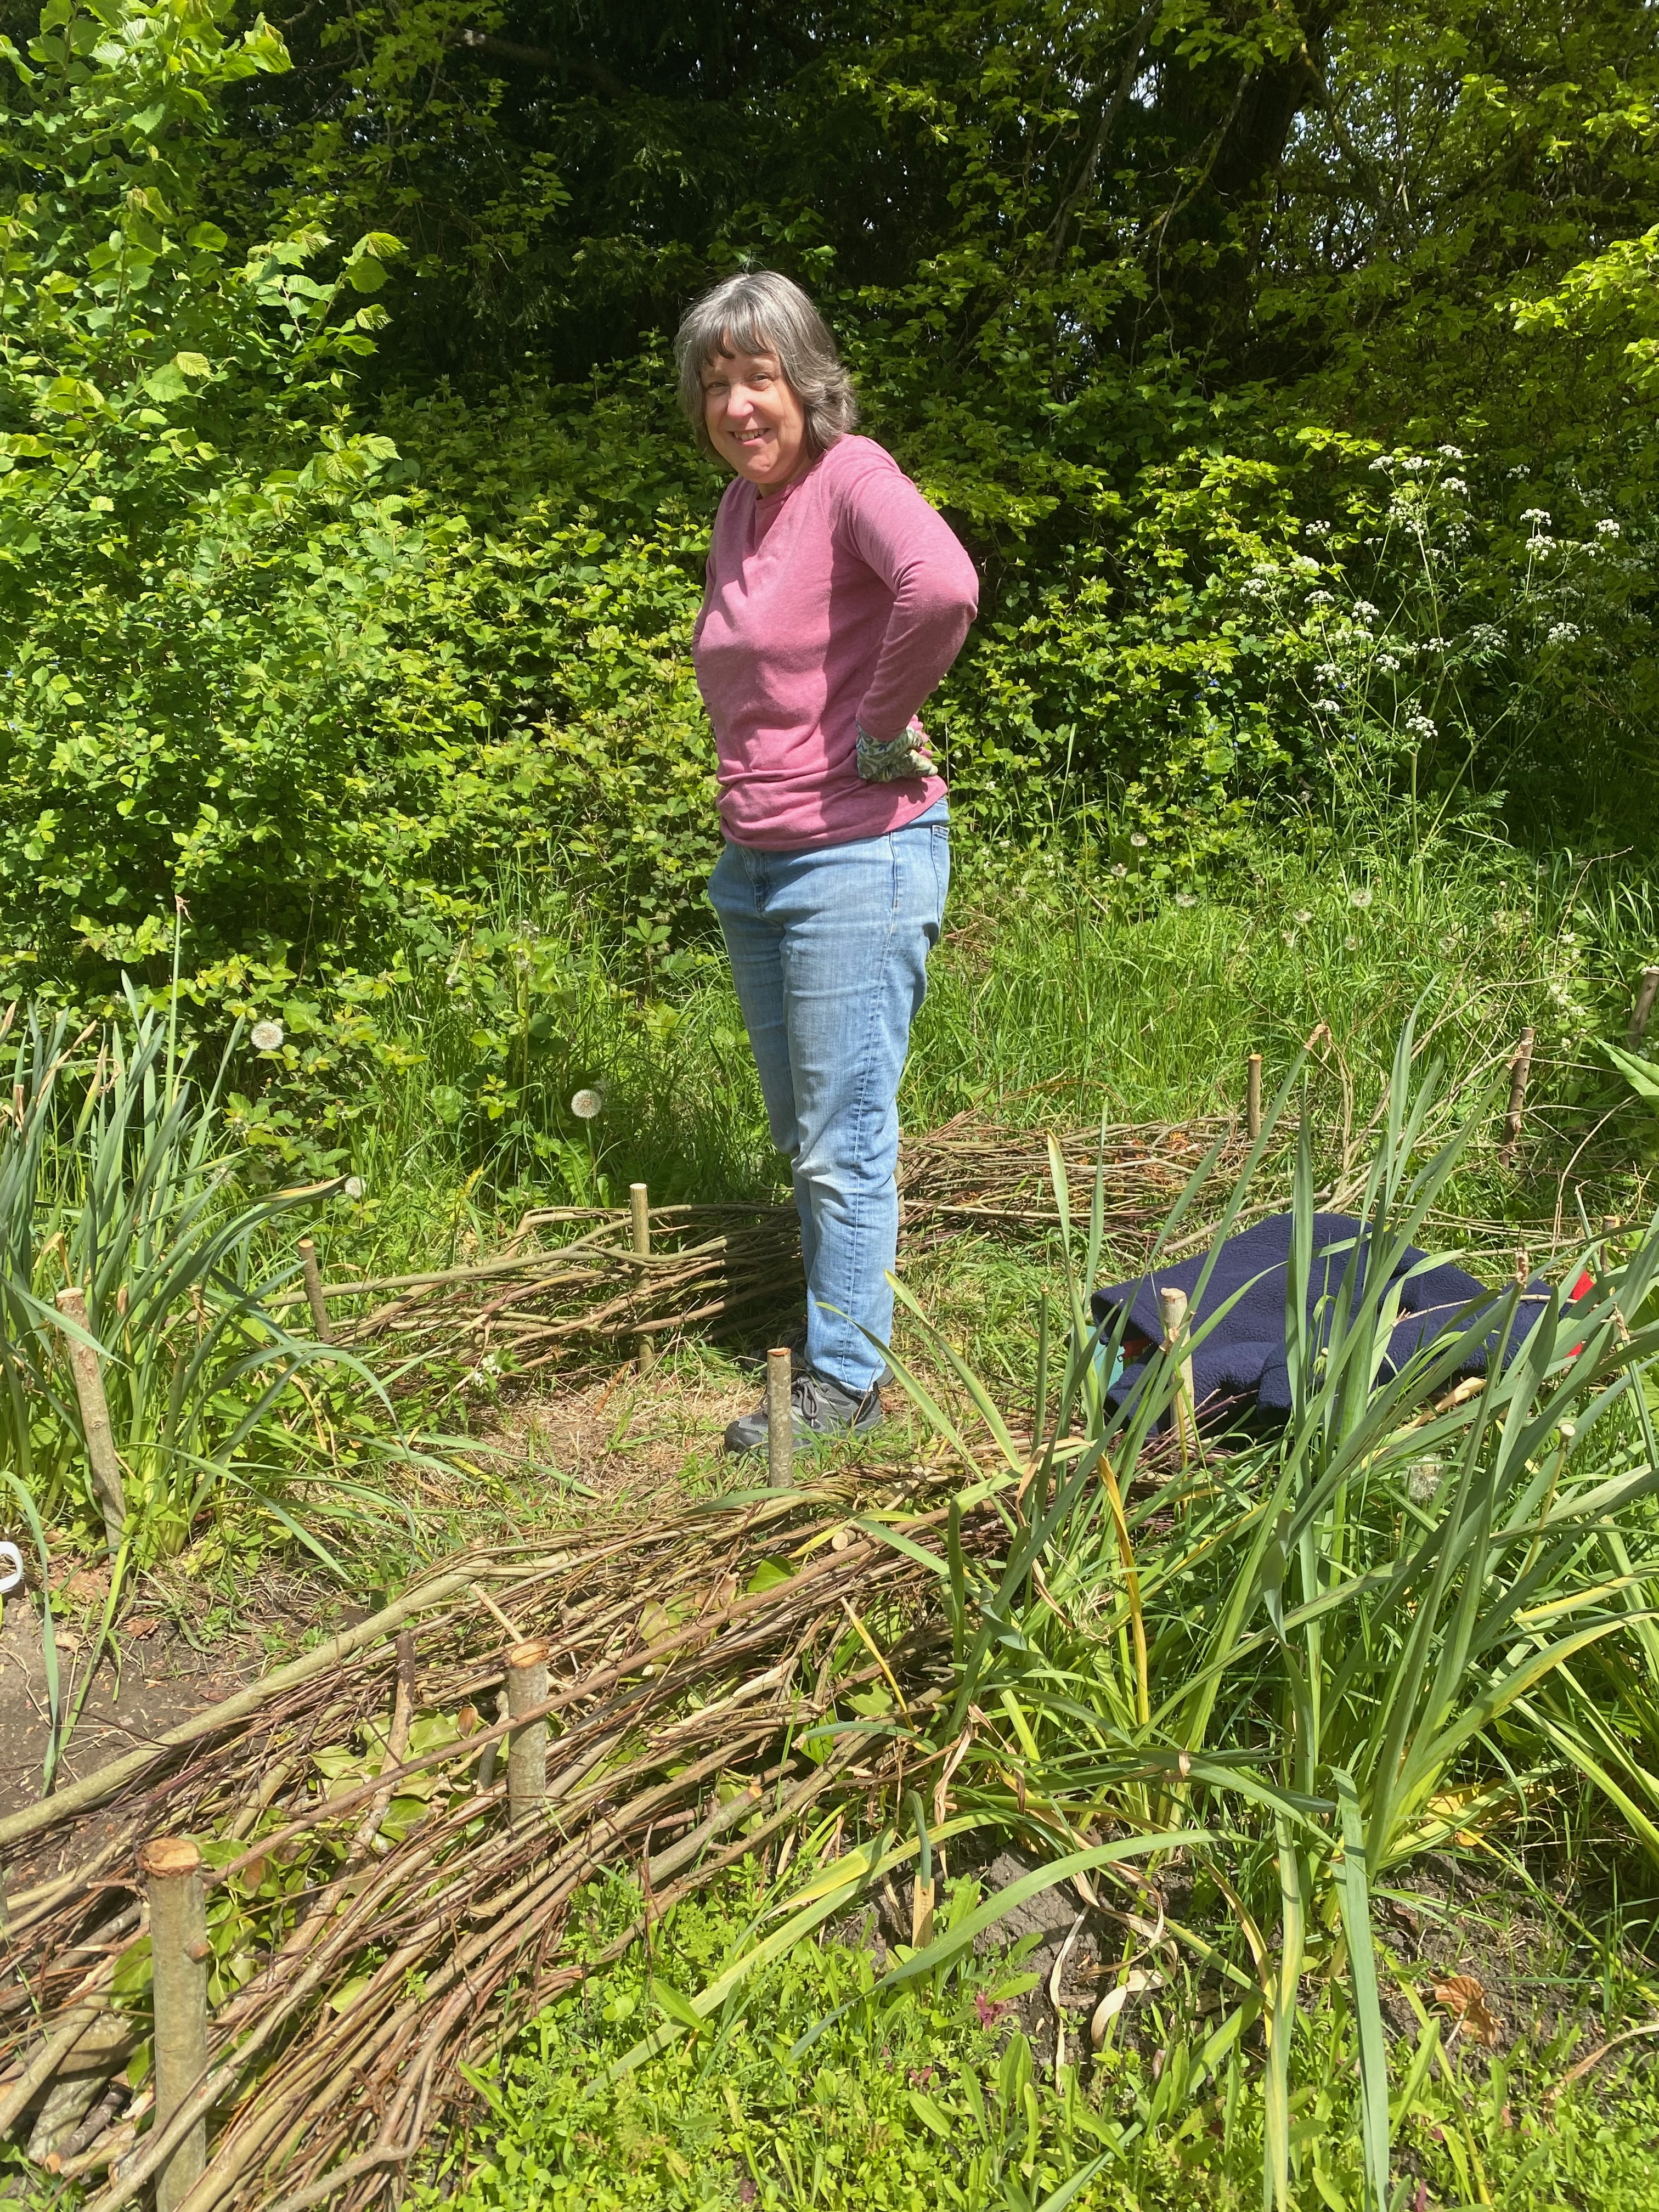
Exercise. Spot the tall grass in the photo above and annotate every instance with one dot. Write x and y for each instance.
(1148, 1000)
(1294, 1663)
(114, 1176)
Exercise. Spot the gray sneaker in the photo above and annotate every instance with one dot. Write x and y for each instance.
(821, 1410)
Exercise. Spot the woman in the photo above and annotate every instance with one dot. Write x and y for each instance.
(837, 599)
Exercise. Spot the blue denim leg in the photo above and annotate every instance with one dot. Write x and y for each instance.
(829, 950)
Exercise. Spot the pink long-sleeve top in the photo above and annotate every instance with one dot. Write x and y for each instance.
(837, 602)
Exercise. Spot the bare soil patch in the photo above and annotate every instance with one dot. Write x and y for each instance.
(173, 1655)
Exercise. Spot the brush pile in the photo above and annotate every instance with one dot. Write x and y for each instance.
(712, 1267)
(974, 1175)
(575, 1277)
(379, 1914)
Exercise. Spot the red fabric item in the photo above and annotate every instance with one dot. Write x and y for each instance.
(1581, 1289)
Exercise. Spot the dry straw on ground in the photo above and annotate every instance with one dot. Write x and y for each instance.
(570, 1279)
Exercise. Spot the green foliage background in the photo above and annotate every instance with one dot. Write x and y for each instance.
(1289, 375)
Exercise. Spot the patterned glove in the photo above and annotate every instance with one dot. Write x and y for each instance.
(887, 762)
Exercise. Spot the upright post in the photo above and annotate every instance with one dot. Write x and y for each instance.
(638, 1202)
(94, 1420)
(1520, 1074)
(172, 1868)
(1252, 1095)
(1641, 1012)
(527, 1750)
(779, 1421)
(315, 1298)
(1173, 1305)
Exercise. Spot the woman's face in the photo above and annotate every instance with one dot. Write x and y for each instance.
(755, 423)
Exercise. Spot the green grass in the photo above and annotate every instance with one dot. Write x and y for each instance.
(932, 2098)
(1059, 990)
(1281, 1677)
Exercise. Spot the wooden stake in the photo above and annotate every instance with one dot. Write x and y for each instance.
(779, 1421)
(1172, 1304)
(638, 1202)
(1520, 1074)
(526, 1753)
(88, 1375)
(315, 1298)
(172, 1868)
(1642, 1012)
(1252, 1095)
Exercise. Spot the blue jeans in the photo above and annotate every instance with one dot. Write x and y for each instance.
(829, 948)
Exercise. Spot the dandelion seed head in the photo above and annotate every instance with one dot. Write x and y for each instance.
(1423, 1479)
(352, 1187)
(587, 1105)
(1362, 897)
(266, 1037)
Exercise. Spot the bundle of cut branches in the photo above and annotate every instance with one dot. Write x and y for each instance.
(710, 1266)
(972, 1174)
(379, 1914)
(571, 1278)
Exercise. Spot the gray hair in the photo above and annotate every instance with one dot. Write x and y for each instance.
(761, 312)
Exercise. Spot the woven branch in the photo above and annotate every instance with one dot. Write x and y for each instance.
(387, 1924)
(719, 1265)
(722, 1265)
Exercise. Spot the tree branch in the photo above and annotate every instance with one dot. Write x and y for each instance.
(1103, 129)
(596, 74)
